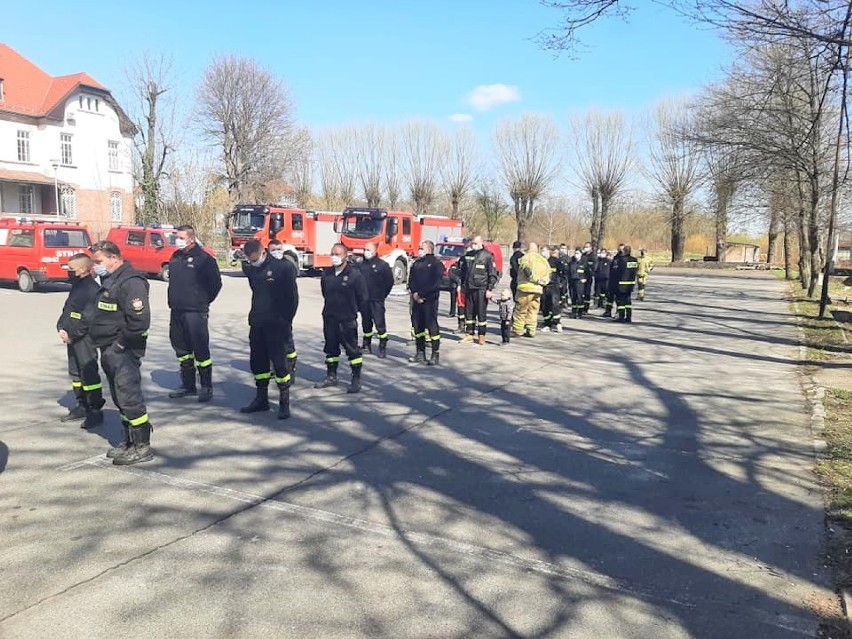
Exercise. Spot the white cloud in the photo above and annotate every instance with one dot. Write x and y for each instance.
(486, 96)
(461, 117)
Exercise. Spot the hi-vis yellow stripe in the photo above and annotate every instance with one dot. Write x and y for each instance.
(108, 306)
(76, 316)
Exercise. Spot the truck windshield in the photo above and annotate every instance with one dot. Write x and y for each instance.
(449, 250)
(362, 226)
(248, 222)
(171, 236)
(66, 238)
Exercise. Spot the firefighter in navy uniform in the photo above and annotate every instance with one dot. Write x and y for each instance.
(602, 267)
(551, 306)
(274, 301)
(588, 268)
(345, 294)
(424, 283)
(577, 278)
(612, 289)
(517, 254)
(194, 283)
(625, 276)
(119, 328)
(73, 329)
(378, 276)
(276, 250)
(479, 277)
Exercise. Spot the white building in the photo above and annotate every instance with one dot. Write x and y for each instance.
(65, 146)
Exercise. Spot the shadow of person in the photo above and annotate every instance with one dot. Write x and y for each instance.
(4, 456)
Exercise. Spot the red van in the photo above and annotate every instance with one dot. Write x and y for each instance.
(34, 250)
(148, 248)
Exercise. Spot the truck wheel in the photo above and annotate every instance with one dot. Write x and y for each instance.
(25, 281)
(400, 272)
(294, 262)
(164, 273)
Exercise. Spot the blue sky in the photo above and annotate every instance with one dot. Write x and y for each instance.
(384, 61)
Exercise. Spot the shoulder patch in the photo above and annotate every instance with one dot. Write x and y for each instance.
(137, 304)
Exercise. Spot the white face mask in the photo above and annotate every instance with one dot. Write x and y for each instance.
(336, 260)
(545, 254)
(101, 270)
(259, 261)
(368, 255)
(421, 252)
(475, 247)
(181, 243)
(277, 254)
(577, 256)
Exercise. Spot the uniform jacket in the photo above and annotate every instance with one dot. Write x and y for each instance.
(274, 293)
(122, 313)
(478, 270)
(345, 294)
(602, 268)
(378, 276)
(533, 272)
(558, 271)
(425, 277)
(625, 271)
(194, 280)
(645, 267)
(577, 270)
(79, 308)
(513, 265)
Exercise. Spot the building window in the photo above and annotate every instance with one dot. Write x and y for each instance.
(68, 202)
(113, 156)
(23, 146)
(67, 157)
(115, 206)
(25, 198)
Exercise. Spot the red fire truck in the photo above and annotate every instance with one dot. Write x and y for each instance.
(307, 235)
(36, 250)
(396, 234)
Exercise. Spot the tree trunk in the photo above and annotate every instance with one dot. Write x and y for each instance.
(595, 228)
(721, 225)
(454, 209)
(773, 234)
(598, 241)
(677, 230)
(813, 237)
(789, 237)
(519, 219)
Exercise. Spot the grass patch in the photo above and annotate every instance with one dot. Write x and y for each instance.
(825, 338)
(836, 468)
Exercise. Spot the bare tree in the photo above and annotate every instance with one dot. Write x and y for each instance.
(602, 144)
(151, 82)
(337, 151)
(527, 153)
(675, 164)
(423, 148)
(491, 207)
(725, 173)
(458, 171)
(392, 167)
(302, 169)
(249, 114)
(370, 142)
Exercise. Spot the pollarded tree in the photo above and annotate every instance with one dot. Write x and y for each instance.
(458, 172)
(370, 143)
(423, 146)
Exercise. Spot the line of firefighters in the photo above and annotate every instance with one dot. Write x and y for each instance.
(109, 320)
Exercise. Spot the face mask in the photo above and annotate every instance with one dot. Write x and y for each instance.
(368, 255)
(72, 276)
(586, 249)
(101, 270)
(563, 251)
(336, 260)
(545, 254)
(257, 263)
(181, 243)
(475, 247)
(577, 256)
(278, 255)
(421, 252)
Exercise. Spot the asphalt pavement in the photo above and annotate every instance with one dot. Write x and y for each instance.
(651, 480)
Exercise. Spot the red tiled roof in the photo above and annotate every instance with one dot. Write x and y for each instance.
(27, 90)
(27, 177)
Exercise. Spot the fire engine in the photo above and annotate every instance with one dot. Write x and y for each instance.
(396, 234)
(307, 235)
(34, 250)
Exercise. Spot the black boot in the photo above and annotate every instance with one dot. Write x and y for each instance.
(291, 362)
(140, 449)
(367, 345)
(420, 354)
(434, 359)
(94, 404)
(383, 348)
(330, 376)
(260, 402)
(121, 449)
(187, 381)
(355, 384)
(284, 403)
(79, 411)
(607, 311)
(621, 315)
(205, 374)
(629, 316)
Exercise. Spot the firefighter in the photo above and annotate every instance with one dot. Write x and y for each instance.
(625, 275)
(424, 283)
(577, 278)
(551, 306)
(589, 267)
(602, 267)
(517, 254)
(119, 328)
(455, 277)
(479, 277)
(345, 294)
(645, 268)
(274, 301)
(613, 280)
(533, 275)
(73, 329)
(565, 260)
(378, 277)
(194, 283)
(276, 250)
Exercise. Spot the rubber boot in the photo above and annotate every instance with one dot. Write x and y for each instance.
(461, 325)
(330, 376)
(205, 373)
(585, 308)
(260, 402)
(187, 382)
(79, 411)
(621, 315)
(434, 359)
(291, 360)
(607, 311)
(121, 448)
(284, 402)
(367, 345)
(355, 384)
(629, 316)
(420, 354)
(140, 449)
(94, 403)
(383, 348)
